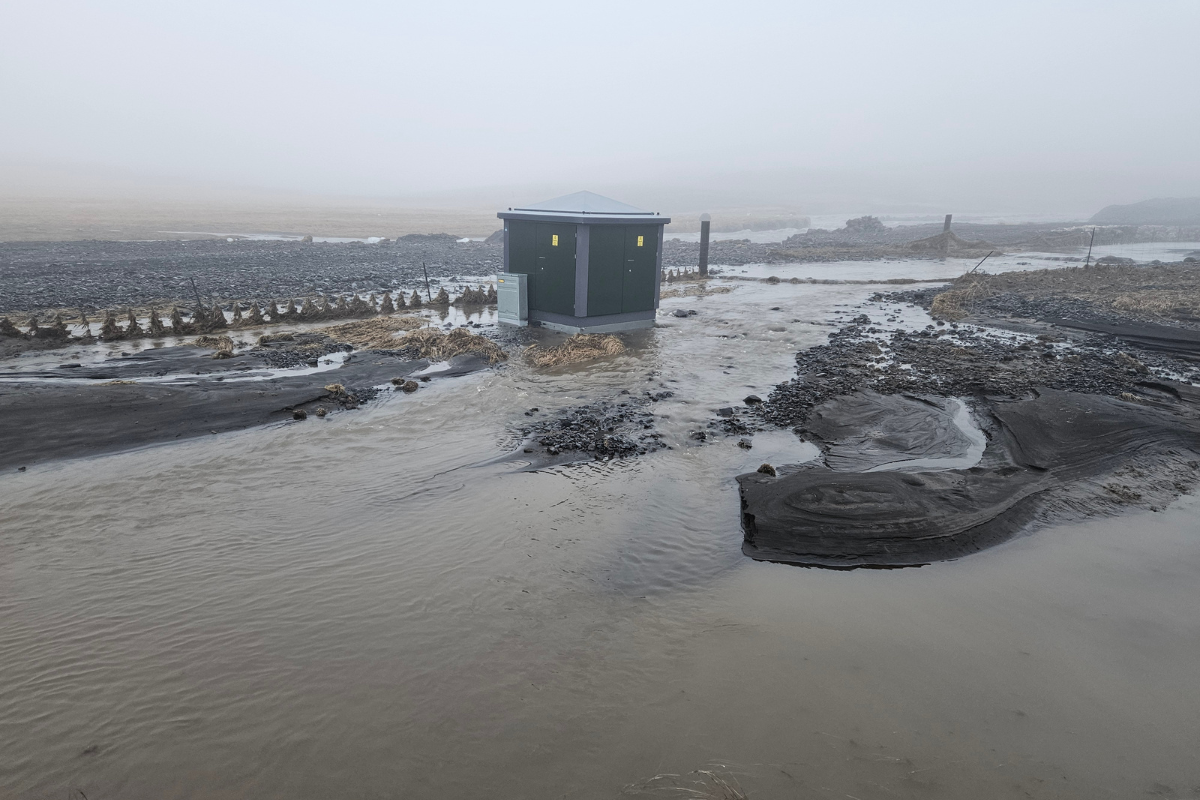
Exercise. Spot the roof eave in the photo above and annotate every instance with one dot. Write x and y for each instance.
(584, 218)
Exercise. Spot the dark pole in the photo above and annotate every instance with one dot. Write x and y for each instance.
(980, 264)
(427, 292)
(946, 226)
(705, 222)
(1089, 258)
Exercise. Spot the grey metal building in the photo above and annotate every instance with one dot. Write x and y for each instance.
(590, 264)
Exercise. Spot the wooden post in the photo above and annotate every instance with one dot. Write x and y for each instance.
(1090, 243)
(946, 226)
(705, 222)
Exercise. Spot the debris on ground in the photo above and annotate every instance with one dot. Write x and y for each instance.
(579, 348)
(378, 333)
(431, 343)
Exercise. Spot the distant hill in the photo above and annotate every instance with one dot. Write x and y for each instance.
(1159, 211)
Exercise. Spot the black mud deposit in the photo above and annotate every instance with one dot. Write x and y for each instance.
(1057, 455)
(602, 430)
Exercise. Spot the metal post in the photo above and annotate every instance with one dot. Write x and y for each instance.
(428, 293)
(705, 222)
(1090, 241)
(946, 226)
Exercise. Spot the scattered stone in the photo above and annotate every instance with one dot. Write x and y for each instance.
(766, 469)
(299, 413)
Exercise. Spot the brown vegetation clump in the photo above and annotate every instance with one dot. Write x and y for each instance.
(579, 348)
(415, 300)
(431, 343)
(222, 344)
(255, 316)
(214, 319)
(491, 294)
(386, 306)
(472, 297)
(178, 326)
(133, 328)
(267, 338)
(442, 298)
(110, 331)
(373, 334)
(156, 328)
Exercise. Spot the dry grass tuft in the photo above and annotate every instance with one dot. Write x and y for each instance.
(373, 334)
(267, 338)
(431, 343)
(119, 383)
(222, 344)
(579, 348)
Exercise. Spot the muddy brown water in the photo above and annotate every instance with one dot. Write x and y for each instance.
(370, 606)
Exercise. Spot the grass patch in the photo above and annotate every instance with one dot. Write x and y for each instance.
(579, 348)
(373, 334)
(431, 343)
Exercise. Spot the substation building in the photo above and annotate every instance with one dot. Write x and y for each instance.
(581, 263)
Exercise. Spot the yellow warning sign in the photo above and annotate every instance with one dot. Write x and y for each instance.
(640, 240)
(554, 240)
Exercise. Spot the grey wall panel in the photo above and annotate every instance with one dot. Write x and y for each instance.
(658, 268)
(582, 243)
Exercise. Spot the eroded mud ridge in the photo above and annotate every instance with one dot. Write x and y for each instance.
(169, 393)
(1057, 454)
(1074, 426)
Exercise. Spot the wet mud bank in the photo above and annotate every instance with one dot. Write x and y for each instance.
(1077, 421)
(175, 393)
(1050, 457)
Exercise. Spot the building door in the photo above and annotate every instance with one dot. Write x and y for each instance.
(554, 283)
(641, 261)
(606, 270)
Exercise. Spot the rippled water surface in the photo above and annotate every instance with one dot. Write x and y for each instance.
(372, 605)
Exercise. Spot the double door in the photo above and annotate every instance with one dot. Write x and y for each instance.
(622, 261)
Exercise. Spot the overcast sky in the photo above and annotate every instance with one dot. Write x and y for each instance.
(1049, 105)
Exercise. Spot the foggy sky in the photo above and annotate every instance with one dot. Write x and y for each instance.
(1041, 106)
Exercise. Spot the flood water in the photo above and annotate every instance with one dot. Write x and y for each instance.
(371, 605)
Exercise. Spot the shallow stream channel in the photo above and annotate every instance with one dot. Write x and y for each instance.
(378, 604)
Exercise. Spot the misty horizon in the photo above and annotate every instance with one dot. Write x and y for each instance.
(673, 107)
